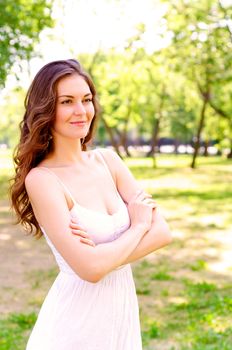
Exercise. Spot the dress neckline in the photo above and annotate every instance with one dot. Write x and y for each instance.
(75, 203)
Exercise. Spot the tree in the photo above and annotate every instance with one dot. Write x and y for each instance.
(119, 81)
(11, 111)
(21, 21)
(202, 47)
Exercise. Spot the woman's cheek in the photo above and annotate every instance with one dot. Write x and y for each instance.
(92, 110)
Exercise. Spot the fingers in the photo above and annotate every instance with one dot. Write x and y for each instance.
(151, 205)
(84, 237)
(150, 202)
(73, 221)
(140, 195)
(74, 225)
(78, 230)
(143, 195)
(136, 195)
(80, 233)
(146, 198)
(88, 242)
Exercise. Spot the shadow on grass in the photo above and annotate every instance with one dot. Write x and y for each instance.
(206, 312)
(195, 194)
(193, 314)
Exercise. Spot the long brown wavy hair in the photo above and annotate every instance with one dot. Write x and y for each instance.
(35, 128)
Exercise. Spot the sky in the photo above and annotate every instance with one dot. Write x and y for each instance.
(86, 26)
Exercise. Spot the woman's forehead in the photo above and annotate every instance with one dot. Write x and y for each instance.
(72, 85)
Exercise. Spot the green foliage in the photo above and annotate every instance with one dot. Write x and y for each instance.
(21, 22)
(161, 275)
(198, 265)
(201, 49)
(204, 310)
(11, 111)
(151, 332)
(13, 330)
(139, 90)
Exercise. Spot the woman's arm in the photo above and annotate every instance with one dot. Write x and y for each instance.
(150, 242)
(159, 234)
(89, 262)
(157, 237)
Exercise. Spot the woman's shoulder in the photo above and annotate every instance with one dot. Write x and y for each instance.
(112, 159)
(108, 153)
(37, 177)
(36, 172)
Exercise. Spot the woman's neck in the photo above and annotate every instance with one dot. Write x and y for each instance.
(66, 154)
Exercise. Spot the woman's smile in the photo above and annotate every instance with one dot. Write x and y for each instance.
(79, 123)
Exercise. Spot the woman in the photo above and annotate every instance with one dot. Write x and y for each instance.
(91, 211)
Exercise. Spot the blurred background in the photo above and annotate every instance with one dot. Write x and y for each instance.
(163, 72)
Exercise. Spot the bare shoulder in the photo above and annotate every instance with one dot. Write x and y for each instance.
(34, 175)
(110, 155)
(105, 151)
(124, 179)
(38, 180)
(113, 161)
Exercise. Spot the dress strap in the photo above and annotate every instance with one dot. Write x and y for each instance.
(60, 182)
(107, 167)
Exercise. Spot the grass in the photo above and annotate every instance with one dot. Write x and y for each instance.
(206, 311)
(184, 290)
(190, 284)
(14, 329)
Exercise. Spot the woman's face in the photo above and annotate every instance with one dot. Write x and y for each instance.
(74, 108)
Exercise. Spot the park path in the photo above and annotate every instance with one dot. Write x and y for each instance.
(20, 257)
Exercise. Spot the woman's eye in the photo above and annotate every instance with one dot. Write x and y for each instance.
(88, 100)
(66, 102)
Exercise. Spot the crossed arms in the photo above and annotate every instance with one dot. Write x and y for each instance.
(89, 262)
(159, 234)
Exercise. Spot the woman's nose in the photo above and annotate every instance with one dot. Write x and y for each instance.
(79, 108)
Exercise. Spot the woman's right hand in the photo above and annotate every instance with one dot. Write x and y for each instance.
(140, 210)
(80, 232)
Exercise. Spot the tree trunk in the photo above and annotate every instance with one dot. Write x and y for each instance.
(123, 136)
(156, 126)
(225, 115)
(206, 152)
(176, 145)
(125, 145)
(154, 139)
(229, 155)
(111, 136)
(200, 127)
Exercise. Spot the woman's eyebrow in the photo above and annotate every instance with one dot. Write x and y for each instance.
(88, 94)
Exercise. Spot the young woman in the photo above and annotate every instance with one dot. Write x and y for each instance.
(91, 211)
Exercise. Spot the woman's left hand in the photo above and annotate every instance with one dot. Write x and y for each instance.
(78, 231)
(144, 197)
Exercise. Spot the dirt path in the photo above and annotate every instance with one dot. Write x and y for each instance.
(22, 261)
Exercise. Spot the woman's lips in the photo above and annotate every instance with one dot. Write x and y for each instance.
(79, 123)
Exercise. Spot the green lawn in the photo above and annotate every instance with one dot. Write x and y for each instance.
(184, 290)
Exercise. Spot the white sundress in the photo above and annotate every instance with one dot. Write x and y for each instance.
(80, 315)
